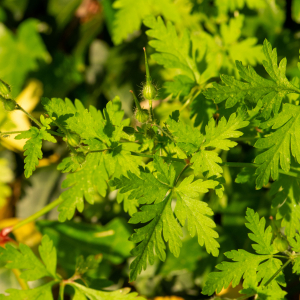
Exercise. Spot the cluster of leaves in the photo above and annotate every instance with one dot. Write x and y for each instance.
(167, 194)
(34, 268)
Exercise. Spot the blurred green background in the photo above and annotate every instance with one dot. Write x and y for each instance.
(92, 50)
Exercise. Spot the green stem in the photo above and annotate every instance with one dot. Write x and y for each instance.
(22, 282)
(181, 173)
(38, 214)
(252, 165)
(268, 281)
(60, 127)
(151, 111)
(11, 132)
(281, 256)
(55, 133)
(30, 116)
(148, 77)
(245, 139)
(102, 150)
(164, 132)
(137, 103)
(277, 272)
(152, 156)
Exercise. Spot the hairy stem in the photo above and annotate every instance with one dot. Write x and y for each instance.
(29, 116)
(151, 111)
(11, 132)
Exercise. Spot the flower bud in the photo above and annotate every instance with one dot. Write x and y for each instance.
(4, 89)
(149, 91)
(9, 104)
(281, 244)
(142, 115)
(73, 139)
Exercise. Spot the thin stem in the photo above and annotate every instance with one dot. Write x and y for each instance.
(60, 127)
(148, 77)
(55, 133)
(11, 132)
(243, 139)
(152, 156)
(164, 132)
(137, 103)
(61, 290)
(22, 282)
(268, 281)
(181, 173)
(102, 150)
(29, 116)
(251, 165)
(277, 272)
(38, 214)
(281, 256)
(151, 111)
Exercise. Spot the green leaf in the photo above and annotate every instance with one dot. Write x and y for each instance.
(179, 87)
(21, 53)
(145, 187)
(295, 244)
(279, 144)
(202, 109)
(84, 293)
(43, 292)
(286, 200)
(251, 267)
(217, 137)
(227, 5)
(261, 236)
(271, 292)
(60, 109)
(245, 50)
(163, 224)
(84, 265)
(245, 266)
(33, 147)
(196, 212)
(85, 239)
(268, 94)
(85, 183)
(207, 161)
(165, 174)
(137, 11)
(24, 259)
(175, 51)
(107, 126)
(129, 205)
(48, 255)
(188, 138)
